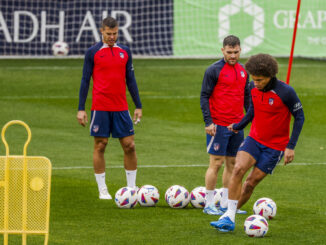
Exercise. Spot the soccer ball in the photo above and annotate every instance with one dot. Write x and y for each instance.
(177, 196)
(197, 197)
(256, 226)
(60, 48)
(265, 207)
(148, 196)
(126, 197)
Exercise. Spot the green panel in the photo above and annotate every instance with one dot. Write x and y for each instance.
(262, 25)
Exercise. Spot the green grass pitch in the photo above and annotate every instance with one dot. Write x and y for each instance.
(44, 94)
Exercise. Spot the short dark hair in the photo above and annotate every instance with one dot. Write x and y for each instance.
(231, 41)
(109, 22)
(262, 65)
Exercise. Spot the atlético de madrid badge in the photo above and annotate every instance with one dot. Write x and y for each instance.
(242, 74)
(95, 128)
(271, 101)
(216, 146)
(122, 55)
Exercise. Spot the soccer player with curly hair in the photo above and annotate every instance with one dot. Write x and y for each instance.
(271, 106)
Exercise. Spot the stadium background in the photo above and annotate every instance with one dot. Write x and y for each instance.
(180, 28)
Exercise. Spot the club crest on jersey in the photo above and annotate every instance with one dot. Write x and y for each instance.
(122, 55)
(216, 146)
(271, 101)
(95, 128)
(242, 74)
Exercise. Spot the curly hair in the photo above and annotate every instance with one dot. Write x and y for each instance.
(262, 65)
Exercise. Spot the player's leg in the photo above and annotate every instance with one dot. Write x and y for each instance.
(244, 161)
(235, 141)
(99, 166)
(266, 162)
(98, 154)
(99, 128)
(123, 129)
(130, 159)
(215, 163)
(216, 147)
(227, 172)
(252, 180)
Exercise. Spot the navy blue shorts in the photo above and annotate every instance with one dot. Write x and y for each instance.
(224, 143)
(117, 123)
(266, 158)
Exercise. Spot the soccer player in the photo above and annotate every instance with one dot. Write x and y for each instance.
(271, 106)
(110, 65)
(224, 95)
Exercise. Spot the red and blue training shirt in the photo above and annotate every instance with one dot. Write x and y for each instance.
(270, 112)
(224, 93)
(111, 69)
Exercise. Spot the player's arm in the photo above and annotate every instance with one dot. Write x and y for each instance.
(84, 87)
(133, 88)
(292, 101)
(247, 95)
(208, 85)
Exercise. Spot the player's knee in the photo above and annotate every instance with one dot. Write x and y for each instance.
(214, 169)
(129, 147)
(100, 145)
(216, 161)
(238, 172)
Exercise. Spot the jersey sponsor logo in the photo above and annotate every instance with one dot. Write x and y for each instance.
(216, 146)
(271, 101)
(122, 55)
(95, 128)
(242, 74)
(297, 106)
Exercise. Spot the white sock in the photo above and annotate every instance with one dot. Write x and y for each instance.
(209, 198)
(232, 209)
(131, 178)
(100, 179)
(224, 198)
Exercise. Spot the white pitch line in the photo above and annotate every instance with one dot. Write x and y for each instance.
(174, 166)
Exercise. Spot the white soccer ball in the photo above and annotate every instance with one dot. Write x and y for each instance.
(60, 48)
(256, 226)
(177, 196)
(197, 197)
(148, 196)
(126, 197)
(265, 207)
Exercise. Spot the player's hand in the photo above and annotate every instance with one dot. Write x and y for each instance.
(82, 118)
(137, 115)
(288, 156)
(211, 129)
(230, 128)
